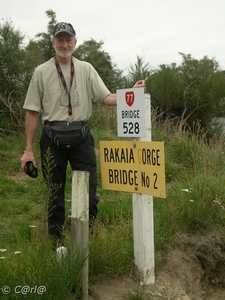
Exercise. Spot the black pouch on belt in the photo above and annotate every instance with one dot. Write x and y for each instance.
(66, 135)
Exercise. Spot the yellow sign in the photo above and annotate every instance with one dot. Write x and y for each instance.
(133, 166)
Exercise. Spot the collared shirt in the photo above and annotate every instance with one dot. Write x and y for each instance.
(47, 95)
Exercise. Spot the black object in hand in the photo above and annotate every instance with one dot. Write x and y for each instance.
(30, 169)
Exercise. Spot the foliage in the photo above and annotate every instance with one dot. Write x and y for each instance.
(35, 267)
(134, 296)
(92, 52)
(13, 72)
(137, 71)
(195, 189)
(185, 98)
(42, 45)
(195, 90)
(16, 69)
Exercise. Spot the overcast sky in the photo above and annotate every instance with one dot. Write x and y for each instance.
(156, 30)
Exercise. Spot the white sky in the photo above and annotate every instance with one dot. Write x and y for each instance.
(156, 30)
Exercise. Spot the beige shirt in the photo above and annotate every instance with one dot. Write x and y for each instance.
(47, 95)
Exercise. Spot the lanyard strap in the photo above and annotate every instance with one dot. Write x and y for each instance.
(64, 82)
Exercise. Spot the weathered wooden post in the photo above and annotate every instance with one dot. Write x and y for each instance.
(143, 221)
(80, 223)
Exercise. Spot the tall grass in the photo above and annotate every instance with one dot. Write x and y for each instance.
(195, 203)
(195, 177)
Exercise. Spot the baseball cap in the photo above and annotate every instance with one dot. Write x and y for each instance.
(63, 27)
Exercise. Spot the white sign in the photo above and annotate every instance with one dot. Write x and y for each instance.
(131, 112)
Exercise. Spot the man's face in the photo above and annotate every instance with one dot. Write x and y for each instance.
(64, 44)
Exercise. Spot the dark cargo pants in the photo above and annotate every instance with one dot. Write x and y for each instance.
(54, 164)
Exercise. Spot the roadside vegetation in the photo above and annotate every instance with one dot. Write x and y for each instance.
(187, 102)
(195, 203)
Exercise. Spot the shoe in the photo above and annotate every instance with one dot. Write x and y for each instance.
(61, 253)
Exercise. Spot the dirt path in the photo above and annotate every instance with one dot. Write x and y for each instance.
(194, 270)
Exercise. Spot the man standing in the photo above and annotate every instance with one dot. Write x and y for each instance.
(62, 91)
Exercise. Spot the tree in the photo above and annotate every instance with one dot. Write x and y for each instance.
(193, 91)
(165, 87)
(204, 90)
(140, 70)
(12, 67)
(92, 52)
(42, 46)
(13, 74)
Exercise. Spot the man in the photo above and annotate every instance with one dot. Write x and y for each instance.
(62, 91)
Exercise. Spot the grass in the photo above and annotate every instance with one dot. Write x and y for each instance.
(195, 203)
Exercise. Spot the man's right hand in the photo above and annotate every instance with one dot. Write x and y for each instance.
(28, 155)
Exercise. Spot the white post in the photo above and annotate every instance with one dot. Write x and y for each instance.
(80, 222)
(143, 222)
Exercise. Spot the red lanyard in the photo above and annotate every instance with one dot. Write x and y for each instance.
(64, 82)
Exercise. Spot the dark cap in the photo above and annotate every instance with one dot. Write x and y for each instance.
(63, 27)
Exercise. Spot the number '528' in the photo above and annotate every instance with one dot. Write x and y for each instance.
(131, 128)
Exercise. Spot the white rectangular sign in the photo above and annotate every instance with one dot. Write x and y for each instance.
(131, 112)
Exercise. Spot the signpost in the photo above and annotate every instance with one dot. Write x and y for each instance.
(131, 166)
(137, 167)
(143, 221)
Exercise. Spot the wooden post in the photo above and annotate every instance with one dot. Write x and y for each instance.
(80, 222)
(143, 222)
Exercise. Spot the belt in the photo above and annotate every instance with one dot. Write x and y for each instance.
(64, 123)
